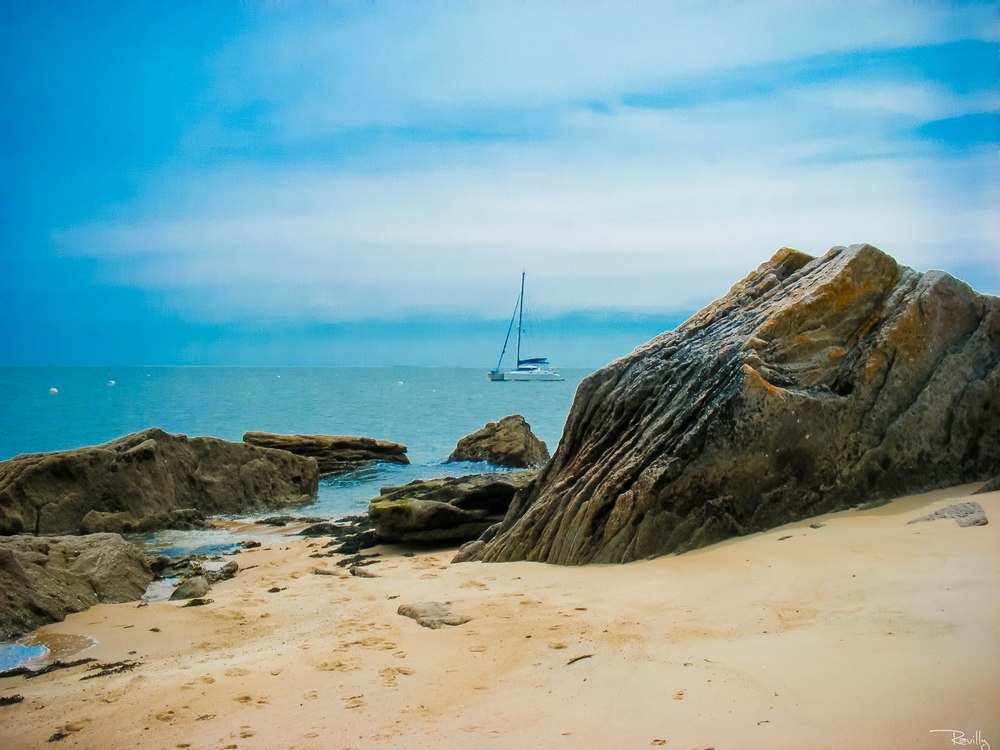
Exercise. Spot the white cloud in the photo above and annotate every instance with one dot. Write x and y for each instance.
(616, 209)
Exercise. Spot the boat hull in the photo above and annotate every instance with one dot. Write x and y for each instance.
(524, 376)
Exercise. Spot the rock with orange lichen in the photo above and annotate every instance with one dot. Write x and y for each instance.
(813, 385)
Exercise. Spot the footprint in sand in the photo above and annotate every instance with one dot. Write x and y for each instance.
(389, 674)
(474, 585)
(679, 695)
(311, 695)
(246, 732)
(165, 715)
(429, 575)
(337, 666)
(237, 672)
(355, 701)
(557, 645)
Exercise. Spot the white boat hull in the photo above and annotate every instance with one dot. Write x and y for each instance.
(527, 376)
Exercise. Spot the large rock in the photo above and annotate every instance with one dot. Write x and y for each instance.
(43, 579)
(451, 509)
(813, 385)
(333, 453)
(148, 474)
(509, 442)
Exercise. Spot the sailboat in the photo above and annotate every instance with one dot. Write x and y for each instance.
(531, 369)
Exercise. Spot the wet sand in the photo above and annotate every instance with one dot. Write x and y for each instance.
(864, 632)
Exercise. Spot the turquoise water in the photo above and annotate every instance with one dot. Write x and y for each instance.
(427, 409)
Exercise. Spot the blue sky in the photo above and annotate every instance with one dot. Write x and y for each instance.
(362, 183)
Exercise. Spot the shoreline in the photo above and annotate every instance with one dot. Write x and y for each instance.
(866, 629)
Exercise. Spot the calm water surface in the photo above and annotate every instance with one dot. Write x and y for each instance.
(428, 409)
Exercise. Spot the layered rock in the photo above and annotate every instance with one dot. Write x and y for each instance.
(814, 384)
(44, 579)
(509, 442)
(445, 510)
(147, 475)
(333, 453)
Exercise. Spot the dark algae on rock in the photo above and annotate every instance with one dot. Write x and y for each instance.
(813, 385)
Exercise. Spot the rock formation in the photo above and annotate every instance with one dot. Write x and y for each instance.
(509, 442)
(445, 510)
(333, 453)
(44, 579)
(147, 474)
(813, 385)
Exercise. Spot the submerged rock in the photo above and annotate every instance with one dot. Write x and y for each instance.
(814, 384)
(509, 442)
(445, 510)
(44, 579)
(152, 477)
(333, 453)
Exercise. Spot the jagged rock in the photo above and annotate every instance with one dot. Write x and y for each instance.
(815, 384)
(150, 475)
(43, 579)
(193, 588)
(333, 453)
(509, 442)
(445, 510)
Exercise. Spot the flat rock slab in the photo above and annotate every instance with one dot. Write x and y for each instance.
(449, 509)
(432, 614)
(964, 514)
(334, 454)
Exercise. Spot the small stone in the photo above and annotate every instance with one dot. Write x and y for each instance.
(433, 615)
(193, 587)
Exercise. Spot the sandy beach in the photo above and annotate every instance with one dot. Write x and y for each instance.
(866, 631)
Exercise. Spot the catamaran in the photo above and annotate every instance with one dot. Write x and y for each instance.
(530, 369)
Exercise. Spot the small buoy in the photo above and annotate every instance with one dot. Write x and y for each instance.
(53, 391)
(110, 383)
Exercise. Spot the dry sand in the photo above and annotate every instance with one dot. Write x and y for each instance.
(866, 632)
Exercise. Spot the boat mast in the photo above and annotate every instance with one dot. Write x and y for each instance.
(520, 314)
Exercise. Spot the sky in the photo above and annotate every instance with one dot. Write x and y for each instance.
(362, 183)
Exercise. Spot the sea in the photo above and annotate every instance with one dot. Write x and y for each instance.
(427, 409)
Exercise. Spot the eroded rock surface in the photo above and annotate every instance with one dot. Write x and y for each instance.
(43, 579)
(446, 510)
(509, 442)
(151, 477)
(333, 453)
(814, 384)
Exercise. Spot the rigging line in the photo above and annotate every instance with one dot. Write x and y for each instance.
(517, 306)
